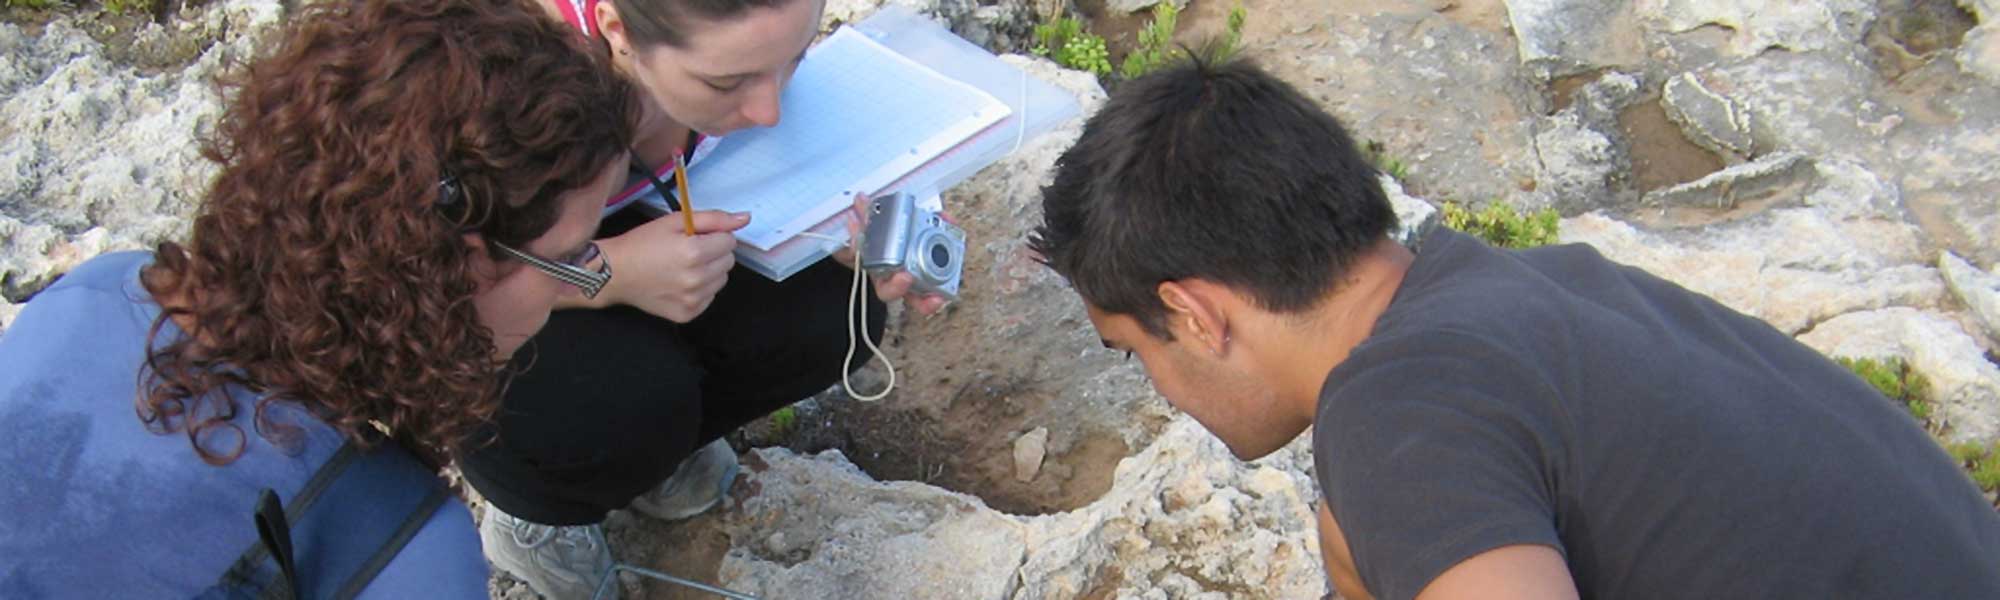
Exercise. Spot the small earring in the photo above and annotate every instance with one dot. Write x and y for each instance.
(625, 52)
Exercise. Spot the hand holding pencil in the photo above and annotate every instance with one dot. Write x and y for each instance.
(673, 266)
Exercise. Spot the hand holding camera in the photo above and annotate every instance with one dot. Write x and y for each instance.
(908, 250)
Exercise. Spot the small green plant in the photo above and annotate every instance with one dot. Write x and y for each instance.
(1503, 226)
(1156, 47)
(128, 6)
(34, 4)
(1897, 380)
(1981, 462)
(1900, 382)
(1065, 41)
(1156, 41)
(1232, 37)
(783, 419)
(1377, 154)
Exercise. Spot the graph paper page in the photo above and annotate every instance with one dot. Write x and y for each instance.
(856, 117)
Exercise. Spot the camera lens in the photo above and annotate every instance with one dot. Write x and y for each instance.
(940, 256)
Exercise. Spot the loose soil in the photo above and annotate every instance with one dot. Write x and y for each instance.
(1661, 156)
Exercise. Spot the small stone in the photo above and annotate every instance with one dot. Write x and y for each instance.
(1708, 119)
(1266, 482)
(1029, 450)
(1786, 174)
(1414, 216)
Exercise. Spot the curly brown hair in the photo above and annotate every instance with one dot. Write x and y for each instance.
(319, 270)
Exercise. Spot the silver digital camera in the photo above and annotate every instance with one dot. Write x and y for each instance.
(903, 237)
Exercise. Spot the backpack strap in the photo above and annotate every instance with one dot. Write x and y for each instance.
(276, 535)
(244, 573)
(359, 510)
(411, 524)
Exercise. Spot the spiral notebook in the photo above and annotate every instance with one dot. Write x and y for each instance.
(856, 118)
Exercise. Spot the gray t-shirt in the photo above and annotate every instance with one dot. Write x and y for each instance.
(1667, 446)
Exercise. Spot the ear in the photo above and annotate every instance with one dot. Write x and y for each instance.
(1194, 309)
(480, 255)
(612, 27)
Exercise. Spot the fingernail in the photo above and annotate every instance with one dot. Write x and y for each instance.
(742, 216)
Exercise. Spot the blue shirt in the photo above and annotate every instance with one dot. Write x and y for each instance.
(98, 506)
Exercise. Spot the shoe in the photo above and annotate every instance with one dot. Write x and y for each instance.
(560, 563)
(696, 485)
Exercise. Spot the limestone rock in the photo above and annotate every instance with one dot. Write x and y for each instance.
(815, 527)
(1951, 174)
(98, 155)
(1029, 449)
(1559, 38)
(819, 528)
(1979, 51)
(1773, 175)
(1179, 509)
(1708, 119)
(1789, 101)
(1965, 386)
(1414, 217)
(1978, 290)
(1443, 97)
(1759, 267)
(1580, 163)
(1758, 25)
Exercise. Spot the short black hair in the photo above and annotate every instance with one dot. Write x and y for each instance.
(1217, 171)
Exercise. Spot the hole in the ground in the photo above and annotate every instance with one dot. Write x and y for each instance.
(1926, 26)
(1907, 33)
(1562, 91)
(1661, 155)
(960, 437)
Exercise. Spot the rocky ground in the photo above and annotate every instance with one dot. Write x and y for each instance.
(1831, 167)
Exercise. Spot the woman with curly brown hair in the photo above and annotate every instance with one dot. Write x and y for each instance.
(406, 187)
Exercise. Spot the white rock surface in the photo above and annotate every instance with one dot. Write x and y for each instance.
(1763, 24)
(96, 156)
(1565, 37)
(1029, 450)
(1978, 290)
(1183, 516)
(820, 528)
(1965, 386)
(1414, 216)
(1761, 269)
(1979, 51)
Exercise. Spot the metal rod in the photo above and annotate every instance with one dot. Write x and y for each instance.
(612, 575)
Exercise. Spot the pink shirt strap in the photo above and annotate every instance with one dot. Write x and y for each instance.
(580, 13)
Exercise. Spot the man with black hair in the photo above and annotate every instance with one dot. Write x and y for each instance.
(1488, 423)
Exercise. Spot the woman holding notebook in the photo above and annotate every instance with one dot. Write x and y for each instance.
(623, 400)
